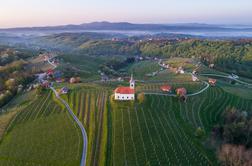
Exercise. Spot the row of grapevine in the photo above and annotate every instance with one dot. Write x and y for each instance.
(41, 134)
(90, 106)
(161, 130)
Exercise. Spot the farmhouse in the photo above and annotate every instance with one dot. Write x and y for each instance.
(50, 72)
(74, 80)
(64, 90)
(181, 92)
(212, 82)
(180, 70)
(194, 78)
(166, 88)
(126, 93)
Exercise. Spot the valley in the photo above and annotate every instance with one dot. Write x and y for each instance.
(157, 128)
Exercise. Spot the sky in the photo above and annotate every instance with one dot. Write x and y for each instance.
(23, 13)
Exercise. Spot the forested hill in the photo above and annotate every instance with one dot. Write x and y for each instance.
(232, 55)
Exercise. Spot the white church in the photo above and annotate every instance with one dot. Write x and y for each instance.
(126, 93)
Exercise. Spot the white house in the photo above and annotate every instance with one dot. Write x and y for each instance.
(126, 93)
(194, 78)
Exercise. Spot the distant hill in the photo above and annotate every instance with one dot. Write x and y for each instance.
(129, 26)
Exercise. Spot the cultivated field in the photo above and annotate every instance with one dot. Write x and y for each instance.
(41, 134)
(159, 131)
(90, 106)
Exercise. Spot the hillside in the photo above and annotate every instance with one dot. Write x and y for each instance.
(42, 133)
(147, 133)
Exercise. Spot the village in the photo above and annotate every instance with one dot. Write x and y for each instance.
(125, 93)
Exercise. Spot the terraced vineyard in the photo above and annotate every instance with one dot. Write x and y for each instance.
(191, 87)
(41, 134)
(159, 131)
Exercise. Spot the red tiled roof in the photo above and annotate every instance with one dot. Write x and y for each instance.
(213, 81)
(181, 91)
(166, 88)
(124, 90)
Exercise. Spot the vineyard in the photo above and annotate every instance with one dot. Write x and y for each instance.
(41, 134)
(90, 106)
(191, 87)
(159, 131)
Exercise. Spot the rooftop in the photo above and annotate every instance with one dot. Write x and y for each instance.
(124, 90)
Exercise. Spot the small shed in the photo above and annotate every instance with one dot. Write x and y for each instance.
(74, 80)
(64, 90)
(59, 80)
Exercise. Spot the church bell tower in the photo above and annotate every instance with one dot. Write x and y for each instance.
(132, 82)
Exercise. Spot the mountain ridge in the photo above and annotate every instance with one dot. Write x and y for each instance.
(104, 25)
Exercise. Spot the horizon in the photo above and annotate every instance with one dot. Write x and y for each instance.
(31, 13)
(139, 23)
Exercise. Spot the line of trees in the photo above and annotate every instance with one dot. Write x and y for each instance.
(13, 72)
(235, 135)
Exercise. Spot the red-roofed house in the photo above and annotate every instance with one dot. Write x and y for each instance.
(181, 92)
(166, 88)
(212, 82)
(126, 93)
(50, 72)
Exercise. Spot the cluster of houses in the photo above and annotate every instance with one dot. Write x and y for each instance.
(181, 92)
(46, 80)
(50, 56)
(179, 70)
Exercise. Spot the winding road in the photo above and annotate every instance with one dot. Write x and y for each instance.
(54, 66)
(229, 77)
(83, 131)
(174, 95)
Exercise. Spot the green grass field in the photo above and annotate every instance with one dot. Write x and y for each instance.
(140, 69)
(41, 134)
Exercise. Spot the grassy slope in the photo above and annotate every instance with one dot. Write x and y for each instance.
(88, 66)
(158, 131)
(5, 120)
(161, 130)
(41, 134)
(140, 69)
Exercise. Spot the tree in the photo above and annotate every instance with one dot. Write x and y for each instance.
(199, 132)
(39, 90)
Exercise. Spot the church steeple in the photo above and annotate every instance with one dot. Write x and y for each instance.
(132, 82)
